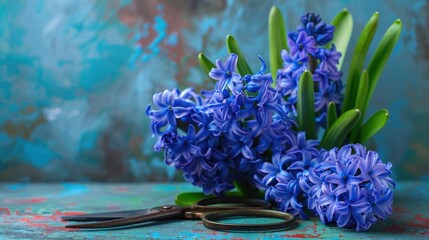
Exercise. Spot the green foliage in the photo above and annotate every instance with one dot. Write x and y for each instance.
(305, 105)
(332, 115)
(380, 57)
(242, 66)
(343, 23)
(358, 60)
(372, 126)
(206, 65)
(276, 39)
(337, 133)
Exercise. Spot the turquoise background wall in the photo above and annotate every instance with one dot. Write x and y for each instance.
(76, 76)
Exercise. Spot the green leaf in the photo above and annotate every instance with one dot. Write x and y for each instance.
(373, 125)
(358, 60)
(335, 136)
(242, 66)
(305, 105)
(190, 198)
(362, 90)
(343, 23)
(276, 39)
(360, 101)
(380, 57)
(206, 65)
(332, 115)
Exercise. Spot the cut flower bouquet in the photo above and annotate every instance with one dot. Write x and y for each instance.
(296, 134)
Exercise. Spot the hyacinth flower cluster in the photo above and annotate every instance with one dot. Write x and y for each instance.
(225, 134)
(250, 131)
(307, 52)
(350, 187)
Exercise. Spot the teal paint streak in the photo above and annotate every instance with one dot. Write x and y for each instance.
(71, 189)
(98, 73)
(38, 155)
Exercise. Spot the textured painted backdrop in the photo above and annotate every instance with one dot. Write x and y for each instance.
(76, 76)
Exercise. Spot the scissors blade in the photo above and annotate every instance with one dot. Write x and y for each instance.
(104, 216)
(155, 214)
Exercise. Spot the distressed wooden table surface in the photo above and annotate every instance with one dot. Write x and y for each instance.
(32, 211)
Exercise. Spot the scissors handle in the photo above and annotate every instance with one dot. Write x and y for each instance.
(156, 214)
(212, 220)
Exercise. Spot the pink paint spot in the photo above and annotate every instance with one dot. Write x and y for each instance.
(420, 222)
(27, 200)
(113, 207)
(121, 189)
(400, 210)
(395, 229)
(46, 221)
(302, 235)
(5, 211)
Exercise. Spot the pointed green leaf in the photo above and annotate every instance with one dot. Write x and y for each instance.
(372, 126)
(343, 23)
(332, 115)
(358, 60)
(335, 136)
(381, 55)
(206, 65)
(362, 90)
(360, 101)
(242, 66)
(276, 39)
(305, 105)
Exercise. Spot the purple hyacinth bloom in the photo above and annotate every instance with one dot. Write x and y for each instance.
(310, 18)
(375, 171)
(345, 175)
(329, 58)
(301, 45)
(170, 107)
(225, 73)
(314, 26)
(286, 194)
(357, 182)
(285, 178)
(271, 170)
(261, 107)
(324, 96)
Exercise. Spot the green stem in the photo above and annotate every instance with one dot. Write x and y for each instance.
(312, 64)
(247, 190)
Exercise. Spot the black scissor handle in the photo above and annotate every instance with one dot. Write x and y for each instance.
(246, 203)
(167, 212)
(211, 220)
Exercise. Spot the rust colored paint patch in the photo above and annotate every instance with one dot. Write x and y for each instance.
(302, 235)
(26, 200)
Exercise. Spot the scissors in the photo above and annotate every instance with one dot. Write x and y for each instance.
(211, 211)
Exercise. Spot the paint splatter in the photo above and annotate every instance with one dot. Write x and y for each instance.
(301, 235)
(46, 221)
(34, 200)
